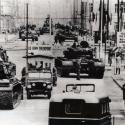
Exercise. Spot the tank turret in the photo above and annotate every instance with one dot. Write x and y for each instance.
(77, 51)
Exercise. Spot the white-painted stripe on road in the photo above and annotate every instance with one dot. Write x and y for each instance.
(118, 116)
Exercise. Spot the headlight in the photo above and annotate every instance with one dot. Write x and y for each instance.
(44, 84)
(33, 84)
(28, 86)
(49, 86)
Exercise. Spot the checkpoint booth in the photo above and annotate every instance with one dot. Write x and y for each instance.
(42, 61)
(41, 55)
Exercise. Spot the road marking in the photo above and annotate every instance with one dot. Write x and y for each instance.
(118, 116)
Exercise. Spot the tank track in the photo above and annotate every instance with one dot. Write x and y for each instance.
(6, 100)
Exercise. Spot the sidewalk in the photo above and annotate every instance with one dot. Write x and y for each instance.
(119, 79)
(7, 37)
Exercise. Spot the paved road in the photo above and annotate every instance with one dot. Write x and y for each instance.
(35, 111)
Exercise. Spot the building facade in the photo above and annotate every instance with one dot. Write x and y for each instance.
(7, 17)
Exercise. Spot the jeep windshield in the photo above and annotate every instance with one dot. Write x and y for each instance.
(78, 88)
(39, 74)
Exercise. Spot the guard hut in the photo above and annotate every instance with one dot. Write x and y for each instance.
(41, 61)
(40, 55)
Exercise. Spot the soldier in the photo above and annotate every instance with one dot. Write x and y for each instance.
(54, 76)
(118, 64)
(110, 54)
(77, 65)
(23, 79)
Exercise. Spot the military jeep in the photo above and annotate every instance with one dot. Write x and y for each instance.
(39, 82)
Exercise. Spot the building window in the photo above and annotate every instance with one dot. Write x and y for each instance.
(124, 25)
(122, 5)
(115, 8)
(46, 65)
(116, 26)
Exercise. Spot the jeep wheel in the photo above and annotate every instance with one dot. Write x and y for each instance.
(36, 39)
(49, 95)
(32, 39)
(65, 74)
(23, 39)
(99, 75)
(28, 95)
(91, 75)
(22, 95)
(59, 72)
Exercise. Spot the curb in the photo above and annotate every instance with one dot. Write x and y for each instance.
(116, 81)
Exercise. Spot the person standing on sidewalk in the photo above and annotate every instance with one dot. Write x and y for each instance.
(110, 57)
(118, 64)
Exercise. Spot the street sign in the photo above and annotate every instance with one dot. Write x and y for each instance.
(121, 39)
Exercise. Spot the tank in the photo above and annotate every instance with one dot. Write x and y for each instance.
(46, 26)
(80, 59)
(11, 90)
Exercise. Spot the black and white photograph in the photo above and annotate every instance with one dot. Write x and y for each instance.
(62, 62)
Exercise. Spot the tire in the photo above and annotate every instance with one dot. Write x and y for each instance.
(99, 74)
(23, 39)
(65, 74)
(49, 95)
(36, 39)
(22, 94)
(32, 39)
(28, 95)
(91, 75)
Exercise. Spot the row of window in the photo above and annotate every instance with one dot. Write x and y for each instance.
(116, 25)
(122, 7)
(40, 65)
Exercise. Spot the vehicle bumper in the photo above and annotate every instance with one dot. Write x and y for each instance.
(38, 92)
(80, 121)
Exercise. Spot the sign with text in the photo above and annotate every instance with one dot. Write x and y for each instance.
(121, 39)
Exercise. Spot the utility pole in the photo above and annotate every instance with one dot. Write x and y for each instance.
(82, 14)
(26, 42)
(118, 16)
(50, 23)
(0, 15)
(107, 25)
(74, 9)
(102, 2)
